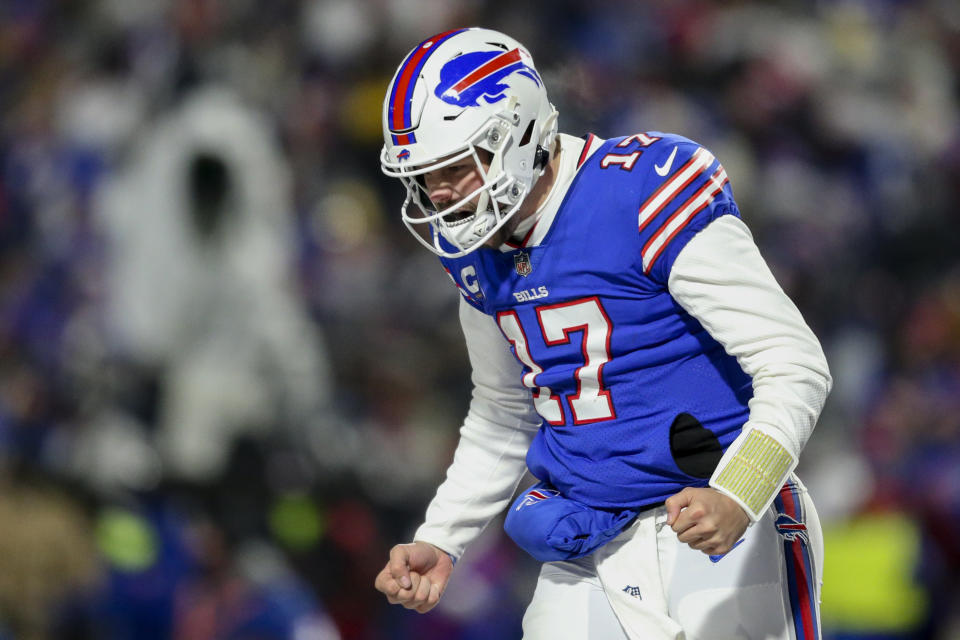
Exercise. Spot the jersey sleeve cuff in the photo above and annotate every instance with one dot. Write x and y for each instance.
(450, 549)
(753, 469)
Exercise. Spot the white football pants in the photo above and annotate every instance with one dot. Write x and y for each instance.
(646, 585)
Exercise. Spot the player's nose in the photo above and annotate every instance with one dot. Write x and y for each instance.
(440, 193)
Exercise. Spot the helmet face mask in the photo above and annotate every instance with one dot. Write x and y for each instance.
(491, 204)
(456, 95)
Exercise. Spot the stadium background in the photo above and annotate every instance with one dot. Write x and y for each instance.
(230, 380)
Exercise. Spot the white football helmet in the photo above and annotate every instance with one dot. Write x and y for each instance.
(456, 93)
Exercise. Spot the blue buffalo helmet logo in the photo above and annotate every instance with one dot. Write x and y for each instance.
(466, 79)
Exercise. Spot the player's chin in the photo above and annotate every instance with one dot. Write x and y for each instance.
(498, 238)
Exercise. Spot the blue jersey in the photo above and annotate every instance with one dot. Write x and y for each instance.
(637, 399)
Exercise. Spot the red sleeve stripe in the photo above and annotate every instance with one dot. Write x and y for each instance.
(681, 217)
(680, 180)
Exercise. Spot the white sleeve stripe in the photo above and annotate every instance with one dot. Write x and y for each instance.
(696, 203)
(676, 183)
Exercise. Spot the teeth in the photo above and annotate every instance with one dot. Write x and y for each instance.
(452, 219)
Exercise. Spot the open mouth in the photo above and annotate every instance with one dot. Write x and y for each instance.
(455, 218)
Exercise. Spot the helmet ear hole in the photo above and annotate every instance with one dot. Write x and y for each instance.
(525, 140)
(541, 158)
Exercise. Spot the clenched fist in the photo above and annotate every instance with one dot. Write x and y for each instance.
(706, 519)
(415, 576)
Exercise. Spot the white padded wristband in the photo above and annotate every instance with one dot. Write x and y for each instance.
(753, 469)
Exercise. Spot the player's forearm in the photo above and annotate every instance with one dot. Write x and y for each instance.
(786, 404)
(488, 464)
(491, 456)
(720, 279)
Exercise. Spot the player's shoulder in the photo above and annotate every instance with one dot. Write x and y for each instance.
(646, 153)
(684, 188)
(660, 148)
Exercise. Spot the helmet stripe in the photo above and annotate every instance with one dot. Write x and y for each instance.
(402, 92)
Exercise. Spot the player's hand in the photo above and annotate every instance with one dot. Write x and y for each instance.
(415, 576)
(706, 519)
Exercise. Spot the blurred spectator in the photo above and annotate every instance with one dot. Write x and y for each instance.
(47, 550)
(198, 283)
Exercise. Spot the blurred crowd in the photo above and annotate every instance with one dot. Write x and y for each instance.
(230, 380)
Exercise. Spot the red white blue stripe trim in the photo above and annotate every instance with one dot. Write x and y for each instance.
(399, 112)
(681, 217)
(586, 150)
(699, 162)
(799, 566)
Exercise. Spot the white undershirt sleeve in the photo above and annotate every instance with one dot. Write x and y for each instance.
(721, 279)
(490, 458)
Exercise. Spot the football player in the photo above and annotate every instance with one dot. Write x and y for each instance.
(629, 346)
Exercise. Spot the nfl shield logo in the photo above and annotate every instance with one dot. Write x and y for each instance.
(521, 262)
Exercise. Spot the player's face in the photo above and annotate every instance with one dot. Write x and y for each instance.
(455, 182)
